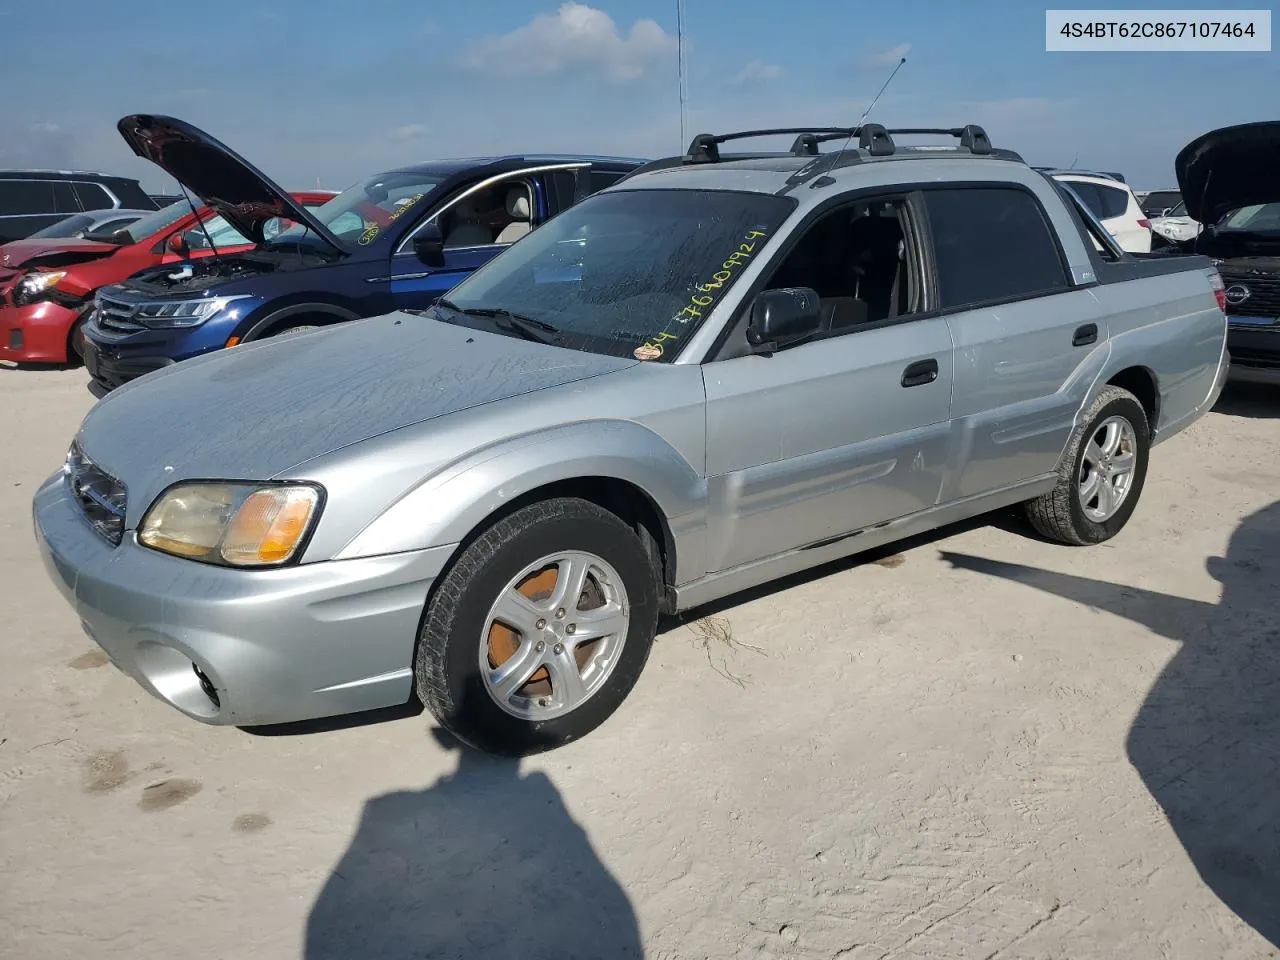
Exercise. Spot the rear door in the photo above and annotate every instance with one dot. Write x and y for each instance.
(1022, 332)
(478, 222)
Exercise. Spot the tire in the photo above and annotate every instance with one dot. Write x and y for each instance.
(1063, 514)
(294, 328)
(461, 647)
(75, 342)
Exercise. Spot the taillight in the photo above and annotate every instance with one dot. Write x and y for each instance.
(1219, 289)
(1144, 223)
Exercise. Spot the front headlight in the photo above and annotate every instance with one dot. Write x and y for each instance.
(34, 286)
(232, 524)
(184, 313)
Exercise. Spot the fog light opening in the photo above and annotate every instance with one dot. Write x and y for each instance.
(207, 686)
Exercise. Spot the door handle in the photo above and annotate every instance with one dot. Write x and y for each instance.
(920, 373)
(1085, 335)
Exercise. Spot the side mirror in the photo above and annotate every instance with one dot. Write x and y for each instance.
(178, 244)
(782, 317)
(429, 245)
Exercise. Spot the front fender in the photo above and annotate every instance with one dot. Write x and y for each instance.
(455, 499)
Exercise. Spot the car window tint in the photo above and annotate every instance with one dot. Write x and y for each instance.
(64, 198)
(1114, 201)
(603, 178)
(93, 197)
(18, 197)
(991, 243)
(1088, 192)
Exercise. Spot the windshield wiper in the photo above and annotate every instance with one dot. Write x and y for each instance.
(538, 331)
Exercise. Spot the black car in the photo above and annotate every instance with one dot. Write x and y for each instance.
(1155, 203)
(1230, 184)
(31, 200)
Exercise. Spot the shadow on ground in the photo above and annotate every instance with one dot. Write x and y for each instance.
(486, 862)
(1207, 739)
(1249, 400)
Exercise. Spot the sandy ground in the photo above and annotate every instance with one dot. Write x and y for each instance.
(981, 746)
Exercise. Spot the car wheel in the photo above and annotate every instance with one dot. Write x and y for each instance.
(1101, 475)
(75, 342)
(540, 629)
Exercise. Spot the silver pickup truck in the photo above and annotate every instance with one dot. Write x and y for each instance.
(722, 370)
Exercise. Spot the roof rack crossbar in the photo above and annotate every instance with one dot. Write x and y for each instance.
(704, 148)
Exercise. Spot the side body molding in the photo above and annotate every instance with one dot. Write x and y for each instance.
(456, 498)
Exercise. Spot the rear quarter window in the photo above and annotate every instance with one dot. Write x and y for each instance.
(1114, 201)
(93, 196)
(990, 244)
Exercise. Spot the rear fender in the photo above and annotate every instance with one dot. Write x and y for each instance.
(456, 499)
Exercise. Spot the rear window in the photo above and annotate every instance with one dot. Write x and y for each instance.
(19, 197)
(1156, 202)
(991, 243)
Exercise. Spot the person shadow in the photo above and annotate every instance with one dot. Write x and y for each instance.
(485, 862)
(1206, 741)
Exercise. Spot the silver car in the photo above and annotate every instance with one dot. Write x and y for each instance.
(720, 371)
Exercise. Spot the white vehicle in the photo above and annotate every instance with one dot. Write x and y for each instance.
(1112, 202)
(1177, 226)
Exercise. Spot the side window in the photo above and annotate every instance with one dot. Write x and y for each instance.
(991, 243)
(19, 197)
(1114, 201)
(859, 259)
(64, 198)
(93, 197)
(501, 213)
(603, 178)
(1088, 192)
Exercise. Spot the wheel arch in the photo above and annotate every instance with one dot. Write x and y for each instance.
(1142, 382)
(327, 312)
(621, 466)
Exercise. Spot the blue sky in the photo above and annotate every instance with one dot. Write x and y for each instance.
(331, 90)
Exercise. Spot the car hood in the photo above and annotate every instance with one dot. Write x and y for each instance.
(255, 411)
(1230, 168)
(217, 175)
(19, 253)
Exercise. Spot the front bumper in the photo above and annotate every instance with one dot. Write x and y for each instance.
(111, 370)
(273, 646)
(1254, 344)
(36, 332)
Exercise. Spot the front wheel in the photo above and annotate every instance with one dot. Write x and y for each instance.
(1101, 475)
(540, 629)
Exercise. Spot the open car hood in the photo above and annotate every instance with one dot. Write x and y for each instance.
(1230, 168)
(18, 253)
(217, 175)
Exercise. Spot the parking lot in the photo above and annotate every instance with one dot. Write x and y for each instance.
(976, 746)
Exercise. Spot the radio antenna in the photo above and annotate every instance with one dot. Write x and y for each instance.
(682, 69)
(835, 159)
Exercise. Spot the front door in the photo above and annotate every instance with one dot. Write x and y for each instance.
(845, 432)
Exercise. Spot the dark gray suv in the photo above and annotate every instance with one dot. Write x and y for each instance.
(31, 200)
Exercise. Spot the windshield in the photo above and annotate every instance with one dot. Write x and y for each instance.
(1180, 210)
(1258, 218)
(153, 223)
(72, 226)
(359, 214)
(631, 273)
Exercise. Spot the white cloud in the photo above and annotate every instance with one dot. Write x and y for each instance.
(576, 35)
(758, 70)
(44, 126)
(887, 58)
(410, 131)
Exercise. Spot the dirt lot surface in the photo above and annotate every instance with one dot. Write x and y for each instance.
(978, 746)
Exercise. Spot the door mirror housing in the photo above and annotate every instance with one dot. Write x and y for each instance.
(178, 244)
(428, 245)
(783, 317)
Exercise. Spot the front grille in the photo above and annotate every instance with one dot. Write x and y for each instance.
(101, 497)
(117, 317)
(1263, 299)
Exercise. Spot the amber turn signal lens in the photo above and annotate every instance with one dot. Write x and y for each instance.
(269, 525)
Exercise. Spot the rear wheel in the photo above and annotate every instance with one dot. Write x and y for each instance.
(1101, 475)
(540, 629)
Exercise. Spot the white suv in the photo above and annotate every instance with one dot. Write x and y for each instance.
(1114, 204)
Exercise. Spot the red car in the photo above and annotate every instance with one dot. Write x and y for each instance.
(47, 285)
